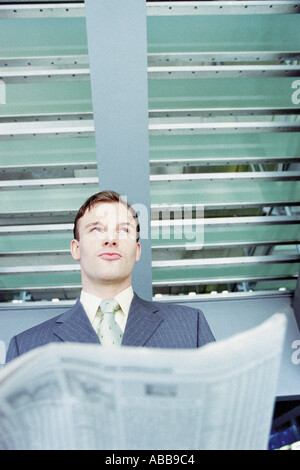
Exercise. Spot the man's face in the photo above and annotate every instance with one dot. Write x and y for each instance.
(107, 248)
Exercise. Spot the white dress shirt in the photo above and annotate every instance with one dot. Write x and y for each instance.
(91, 304)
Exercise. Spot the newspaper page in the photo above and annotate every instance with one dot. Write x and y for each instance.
(74, 396)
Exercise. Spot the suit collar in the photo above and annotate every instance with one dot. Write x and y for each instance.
(74, 326)
(143, 320)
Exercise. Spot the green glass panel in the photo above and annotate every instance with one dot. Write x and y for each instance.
(47, 151)
(35, 242)
(230, 234)
(221, 92)
(42, 37)
(20, 281)
(73, 278)
(225, 145)
(46, 200)
(61, 241)
(211, 272)
(48, 97)
(214, 192)
(223, 33)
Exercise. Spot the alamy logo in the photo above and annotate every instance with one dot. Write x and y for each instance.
(2, 352)
(296, 93)
(2, 93)
(296, 354)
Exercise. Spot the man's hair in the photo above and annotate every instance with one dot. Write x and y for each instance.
(104, 197)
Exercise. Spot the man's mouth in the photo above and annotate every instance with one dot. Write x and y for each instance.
(110, 256)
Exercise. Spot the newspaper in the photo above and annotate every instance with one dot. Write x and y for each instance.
(74, 396)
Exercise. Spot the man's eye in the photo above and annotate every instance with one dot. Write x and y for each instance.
(96, 229)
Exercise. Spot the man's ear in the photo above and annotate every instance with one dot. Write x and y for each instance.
(75, 250)
(138, 252)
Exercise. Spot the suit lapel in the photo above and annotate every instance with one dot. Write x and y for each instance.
(75, 326)
(143, 320)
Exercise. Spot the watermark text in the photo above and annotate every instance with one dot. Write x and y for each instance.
(296, 93)
(2, 92)
(2, 352)
(296, 353)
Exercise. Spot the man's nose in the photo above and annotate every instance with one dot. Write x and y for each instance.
(111, 239)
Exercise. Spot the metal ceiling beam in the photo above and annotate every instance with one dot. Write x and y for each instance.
(155, 58)
(79, 61)
(159, 113)
(166, 283)
(43, 10)
(258, 7)
(157, 224)
(228, 221)
(224, 244)
(170, 178)
(38, 75)
(169, 264)
(155, 8)
(221, 71)
(46, 183)
(222, 280)
(184, 246)
(236, 176)
(232, 261)
(31, 74)
(51, 117)
(227, 160)
(212, 112)
(47, 129)
(170, 128)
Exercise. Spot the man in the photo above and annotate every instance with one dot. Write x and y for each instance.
(106, 244)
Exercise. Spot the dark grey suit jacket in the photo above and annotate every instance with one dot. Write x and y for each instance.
(150, 324)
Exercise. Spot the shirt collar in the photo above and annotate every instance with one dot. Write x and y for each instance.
(91, 302)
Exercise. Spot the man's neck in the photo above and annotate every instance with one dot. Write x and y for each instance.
(108, 291)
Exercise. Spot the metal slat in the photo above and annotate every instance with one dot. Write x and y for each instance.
(156, 224)
(222, 71)
(246, 260)
(27, 229)
(59, 73)
(30, 130)
(154, 59)
(159, 113)
(221, 280)
(210, 161)
(46, 183)
(184, 246)
(45, 61)
(226, 221)
(258, 7)
(43, 10)
(167, 283)
(237, 176)
(233, 261)
(217, 56)
(194, 246)
(222, 128)
(212, 112)
(51, 117)
(38, 75)
(31, 74)
(77, 9)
